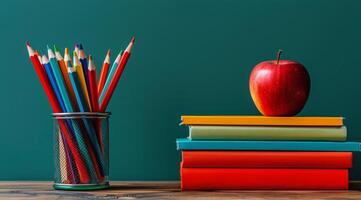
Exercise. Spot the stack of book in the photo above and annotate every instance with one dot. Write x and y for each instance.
(256, 152)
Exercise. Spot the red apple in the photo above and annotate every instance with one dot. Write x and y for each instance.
(279, 87)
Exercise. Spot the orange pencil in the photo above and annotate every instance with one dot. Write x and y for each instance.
(104, 72)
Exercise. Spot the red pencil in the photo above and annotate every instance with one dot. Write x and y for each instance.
(83, 173)
(104, 72)
(117, 75)
(93, 85)
(39, 56)
(94, 97)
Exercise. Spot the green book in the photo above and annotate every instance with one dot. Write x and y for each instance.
(267, 133)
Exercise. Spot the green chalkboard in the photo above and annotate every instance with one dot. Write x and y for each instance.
(190, 57)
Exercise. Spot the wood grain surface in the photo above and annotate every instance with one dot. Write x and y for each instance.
(163, 190)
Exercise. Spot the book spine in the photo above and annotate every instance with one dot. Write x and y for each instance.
(187, 144)
(279, 179)
(267, 133)
(266, 159)
(260, 120)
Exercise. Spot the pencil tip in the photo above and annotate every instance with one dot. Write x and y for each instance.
(30, 50)
(90, 58)
(108, 52)
(129, 47)
(66, 51)
(80, 46)
(47, 46)
(44, 59)
(55, 49)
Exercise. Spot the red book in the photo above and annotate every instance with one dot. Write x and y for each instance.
(263, 179)
(266, 159)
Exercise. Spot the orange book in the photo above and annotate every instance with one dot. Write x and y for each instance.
(262, 121)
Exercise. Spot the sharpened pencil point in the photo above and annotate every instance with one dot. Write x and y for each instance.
(66, 51)
(44, 59)
(91, 65)
(30, 50)
(129, 47)
(80, 46)
(50, 52)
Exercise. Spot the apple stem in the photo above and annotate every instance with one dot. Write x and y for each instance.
(279, 55)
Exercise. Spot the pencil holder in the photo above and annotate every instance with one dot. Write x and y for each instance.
(81, 150)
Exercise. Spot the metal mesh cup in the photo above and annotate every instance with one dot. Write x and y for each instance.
(81, 150)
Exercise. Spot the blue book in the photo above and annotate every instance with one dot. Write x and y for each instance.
(188, 144)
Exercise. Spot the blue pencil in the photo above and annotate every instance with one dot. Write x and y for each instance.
(110, 76)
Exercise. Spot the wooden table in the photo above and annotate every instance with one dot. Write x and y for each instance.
(163, 190)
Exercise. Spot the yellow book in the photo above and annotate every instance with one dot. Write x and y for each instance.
(262, 121)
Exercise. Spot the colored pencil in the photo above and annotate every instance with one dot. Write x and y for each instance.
(84, 88)
(74, 79)
(104, 72)
(84, 64)
(39, 56)
(94, 98)
(52, 80)
(76, 48)
(40, 71)
(64, 72)
(93, 84)
(123, 61)
(110, 76)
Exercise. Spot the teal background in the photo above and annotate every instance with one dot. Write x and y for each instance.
(190, 57)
